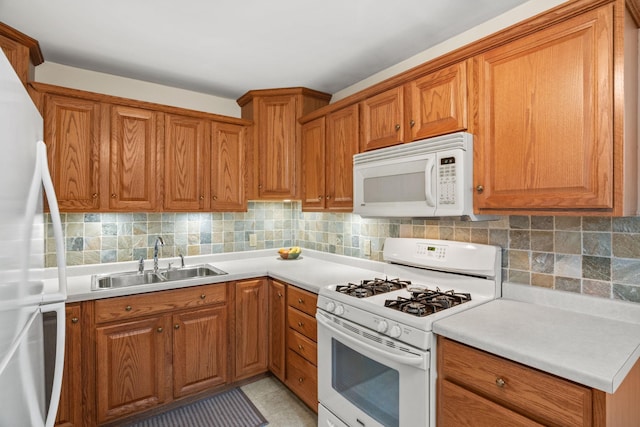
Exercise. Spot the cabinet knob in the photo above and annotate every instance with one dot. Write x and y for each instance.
(479, 188)
(74, 320)
(279, 294)
(300, 301)
(300, 380)
(328, 197)
(201, 197)
(259, 185)
(301, 324)
(113, 195)
(94, 196)
(319, 197)
(203, 296)
(214, 197)
(176, 326)
(500, 382)
(160, 330)
(397, 127)
(300, 347)
(128, 308)
(412, 123)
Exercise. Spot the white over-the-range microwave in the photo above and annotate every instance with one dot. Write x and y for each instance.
(423, 179)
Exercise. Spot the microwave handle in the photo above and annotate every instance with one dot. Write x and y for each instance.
(428, 176)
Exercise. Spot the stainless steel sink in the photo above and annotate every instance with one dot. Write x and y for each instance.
(135, 278)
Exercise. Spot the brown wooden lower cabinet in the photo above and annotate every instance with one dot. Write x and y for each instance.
(70, 408)
(250, 328)
(498, 392)
(277, 328)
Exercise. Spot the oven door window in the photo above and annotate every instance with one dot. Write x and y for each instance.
(369, 385)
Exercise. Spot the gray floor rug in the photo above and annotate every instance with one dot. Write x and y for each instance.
(229, 409)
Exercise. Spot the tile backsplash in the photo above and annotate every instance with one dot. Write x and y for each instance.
(591, 255)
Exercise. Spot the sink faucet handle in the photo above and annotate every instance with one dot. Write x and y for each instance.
(181, 260)
(169, 266)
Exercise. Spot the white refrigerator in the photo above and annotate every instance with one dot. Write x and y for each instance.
(32, 316)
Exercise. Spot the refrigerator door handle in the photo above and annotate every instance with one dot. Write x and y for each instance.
(59, 363)
(49, 191)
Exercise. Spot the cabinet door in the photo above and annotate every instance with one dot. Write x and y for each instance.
(228, 167)
(382, 119)
(546, 119)
(439, 102)
(70, 407)
(132, 366)
(313, 165)
(342, 144)
(72, 134)
(134, 172)
(199, 350)
(277, 328)
(251, 322)
(277, 146)
(186, 164)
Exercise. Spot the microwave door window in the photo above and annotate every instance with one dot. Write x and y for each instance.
(406, 187)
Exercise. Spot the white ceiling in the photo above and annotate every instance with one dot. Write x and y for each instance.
(227, 47)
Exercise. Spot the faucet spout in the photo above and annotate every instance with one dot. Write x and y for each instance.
(159, 242)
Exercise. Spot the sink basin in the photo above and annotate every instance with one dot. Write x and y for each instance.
(135, 278)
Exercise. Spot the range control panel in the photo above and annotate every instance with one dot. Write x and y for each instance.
(431, 251)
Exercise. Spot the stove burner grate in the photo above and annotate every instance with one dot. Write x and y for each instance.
(426, 302)
(367, 288)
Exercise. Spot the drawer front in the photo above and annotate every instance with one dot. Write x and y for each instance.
(303, 346)
(303, 323)
(304, 301)
(133, 306)
(302, 379)
(542, 397)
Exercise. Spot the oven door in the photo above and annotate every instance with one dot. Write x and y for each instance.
(368, 379)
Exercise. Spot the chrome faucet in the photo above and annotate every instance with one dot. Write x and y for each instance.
(181, 260)
(141, 265)
(155, 253)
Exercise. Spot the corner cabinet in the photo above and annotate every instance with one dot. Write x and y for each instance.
(274, 155)
(328, 146)
(498, 392)
(551, 115)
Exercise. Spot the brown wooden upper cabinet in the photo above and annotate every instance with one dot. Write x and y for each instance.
(136, 136)
(228, 167)
(186, 156)
(551, 136)
(72, 134)
(274, 155)
(431, 105)
(328, 146)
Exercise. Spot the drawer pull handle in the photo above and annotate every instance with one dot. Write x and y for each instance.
(300, 380)
(500, 382)
(300, 324)
(160, 330)
(176, 326)
(74, 320)
(203, 296)
(128, 308)
(300, 301)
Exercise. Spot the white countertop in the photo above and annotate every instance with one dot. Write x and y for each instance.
(592, 341)
(311, 271)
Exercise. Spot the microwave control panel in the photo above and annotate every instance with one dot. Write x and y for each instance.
(447, 181)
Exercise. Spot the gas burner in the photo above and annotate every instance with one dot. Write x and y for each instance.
(427, 302)
(367, 288)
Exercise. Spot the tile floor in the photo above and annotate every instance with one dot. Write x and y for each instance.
(278, 405)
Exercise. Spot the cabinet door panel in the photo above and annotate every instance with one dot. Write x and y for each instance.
(131, 367)
(313, 165)
(342, 144)
(185, 160)
(439, 102)
(546, 119)
(277, 146)
(133, 167)
(251, 322)
(227, 167)
(72, 134)
(199, 350)
(277, 327)
(382, 119)
(70, 407)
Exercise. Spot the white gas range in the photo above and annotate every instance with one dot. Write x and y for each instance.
(377, 334)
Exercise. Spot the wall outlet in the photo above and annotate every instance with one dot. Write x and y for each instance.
(253, 240)
(367, 246)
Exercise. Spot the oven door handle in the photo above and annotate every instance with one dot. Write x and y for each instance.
(405, 360)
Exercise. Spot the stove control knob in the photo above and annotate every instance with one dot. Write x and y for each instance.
(395, 331)
(339, 310)
(331, 306)
(383, 326)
